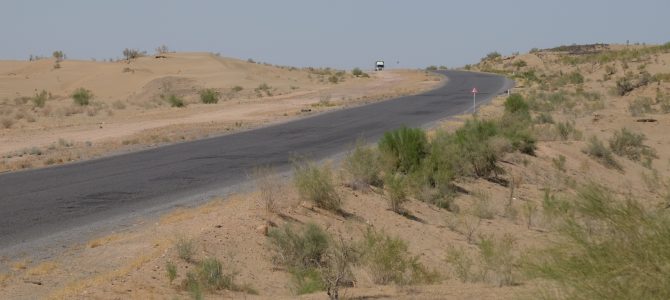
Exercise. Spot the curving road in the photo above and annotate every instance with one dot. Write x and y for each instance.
(39, 204)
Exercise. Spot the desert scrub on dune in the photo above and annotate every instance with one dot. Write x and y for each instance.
(495, 262)
(302, 253)
(389, 261)
(315, 184)
(596, 149)
(211, 276)
(395, 190)
(82, 96)
(363, 165)
(631, 145)
(40, 98)
(175, 101)
(209, 96)
(610, 248)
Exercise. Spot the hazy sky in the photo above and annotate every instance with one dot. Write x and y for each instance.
(342, 33)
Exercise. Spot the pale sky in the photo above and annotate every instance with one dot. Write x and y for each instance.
(341, 34)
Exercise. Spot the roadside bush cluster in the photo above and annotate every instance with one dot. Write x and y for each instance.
(82, 96)
(315, 184)
(209, 96)
(427, 168)
(631, 145)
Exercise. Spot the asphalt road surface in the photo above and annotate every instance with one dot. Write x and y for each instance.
(39, 204)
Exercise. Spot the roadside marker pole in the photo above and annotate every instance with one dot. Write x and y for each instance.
(474, 100)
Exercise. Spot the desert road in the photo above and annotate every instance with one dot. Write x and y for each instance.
(38, 204)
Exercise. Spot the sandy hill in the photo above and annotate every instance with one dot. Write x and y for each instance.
(155, 100)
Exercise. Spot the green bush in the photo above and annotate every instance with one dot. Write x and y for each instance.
(544, 118)
(237, 89)
(40, 98)
(624, 86)
(357, 72)
(515, 104)
(474, 148)
(82, 96)
(597, 150)
(610, 249)
(315, 184)
(492, 56)
(209, 96)
(405, 147)
(431, 68)
(389, 261)
(363, 165)
(567, 130)
(176, 101)
(629, 144)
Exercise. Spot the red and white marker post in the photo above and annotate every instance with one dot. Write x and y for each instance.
(474, 100)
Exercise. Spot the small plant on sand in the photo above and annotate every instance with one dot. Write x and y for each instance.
(495, 262)
(389, 261)
(357, 72)
(315, 184)
(596, 149)
(185, 249)
(82, 96)
(132, 53)
(269, 185)
(641, 106)
(482, 206)
(40, 98)
(209, 96)
(237, 89)
(58, 55)
(171, 269)
(175, 101)
(6, 123)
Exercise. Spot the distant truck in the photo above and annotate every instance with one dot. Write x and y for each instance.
(379, 65)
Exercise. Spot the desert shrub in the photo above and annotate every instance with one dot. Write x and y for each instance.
(40, 98)
(519, 64)
(389, 261)
(610, 249)
(210, 275)
(624, 85)
(269, 186)
(82, 96)
(395, 188)
(498, 260)
(482, 206)
(559, 162)
(363, 164)
(629, 144)
(192, 285)
(357, 72)
(171, 270)
(492, 56)
(567, 130)
(209, 96)
(175, 101)
(185, 249)
(132, 53)
(264, 87)
(431, 68)
(237, 89)
(302, 253)
(572, 78)
(315, 184)
(596, 149)
(641, 106)
(515, 104)
(7, 122)
(544, 118)
(474, 148)
(333, 79)
(405, 147)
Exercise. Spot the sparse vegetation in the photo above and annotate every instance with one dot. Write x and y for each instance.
(641, 106)
(185, 249)
(209, 96)
(356, 72)
(363, 166)
(404, 148)
(395, 188)
(82, 96)
(389, 261)
(171, 270)
(596, 149)
(631, 145)
(612, 249)
(132, 53)
(315, 184)
(175, 101)
(40, 99)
